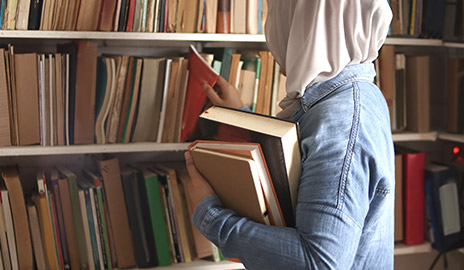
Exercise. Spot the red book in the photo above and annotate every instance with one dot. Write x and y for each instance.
(130, 17)
(107, 15)
(413, 197)
(196, 100)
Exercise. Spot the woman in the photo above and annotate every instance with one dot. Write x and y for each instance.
(344, 214)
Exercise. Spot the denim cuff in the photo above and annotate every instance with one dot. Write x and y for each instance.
(205, 212)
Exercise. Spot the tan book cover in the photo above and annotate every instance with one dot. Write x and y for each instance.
(171, 20)
(263, 55)
(86, 76)
(246, 86)
(21, 224)
(27, 98)
(127, 98)
(269, 84)
(9, 18)
(69, 223)
(89, 15)
(150, 100)
(252, 17)
(3, 238)
(387, 78)
(239, 17)
(211, 16)
(235, 180)
(5, 105)
(187, 16)
(111, 175)
(181, 101)
(22, 14)
(48, 10)
(203, 247)
(234, 68)
(178, 68)
(39, 254)
(418, 93)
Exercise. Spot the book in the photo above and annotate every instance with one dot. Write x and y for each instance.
(454, 79)
(443, 205)
(418, 93)
(5, 132)
(35, 11)
(10, 233)
(200, 73)
(39, 254)
(18, 209)
(158, 220)
(72, 248)
(400, 92)
(27, 98)
(387, 80)
(398, 197)
(253, 151)
(86, 70)
(203, 247)
(278, 139)
(187, 16)
(22, 14)
(150, 100)
(107, 15)
(239, 17)
(223, 17)
(134, 98)
(233, 177)
(252, 17)
(139, 219)
(111, 176)
(413, 196)
(3, 234)
(84, 200)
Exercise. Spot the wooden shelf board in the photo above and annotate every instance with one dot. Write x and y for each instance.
(413, 41)
(451, 137)
(402, 249)
(402, 137)
(132, 36)
(202, 265)
(37, 150)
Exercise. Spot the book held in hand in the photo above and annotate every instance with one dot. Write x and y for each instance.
(225, 155)
(196, 101)
(278, 138)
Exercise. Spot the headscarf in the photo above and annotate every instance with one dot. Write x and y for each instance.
(313, 40)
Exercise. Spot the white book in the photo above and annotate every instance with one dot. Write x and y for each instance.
(165, 97)
(22, 14)
(4, 240)
(9, 229)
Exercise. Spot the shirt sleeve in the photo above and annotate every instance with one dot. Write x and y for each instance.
(259, 246)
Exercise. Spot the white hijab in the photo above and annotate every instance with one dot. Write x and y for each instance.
(313, 40)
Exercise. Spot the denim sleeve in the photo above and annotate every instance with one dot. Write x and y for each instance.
(268, 247)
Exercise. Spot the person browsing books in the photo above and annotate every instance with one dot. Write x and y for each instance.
(345, 206)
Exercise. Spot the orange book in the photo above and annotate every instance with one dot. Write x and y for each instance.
(223, 17)
(200, 73)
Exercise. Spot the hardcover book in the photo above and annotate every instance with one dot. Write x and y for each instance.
(278, 139)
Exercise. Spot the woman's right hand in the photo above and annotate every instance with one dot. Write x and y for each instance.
(224, 94)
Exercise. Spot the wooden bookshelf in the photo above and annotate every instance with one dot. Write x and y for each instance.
(451, 137)
(408, 136)
(402, 249)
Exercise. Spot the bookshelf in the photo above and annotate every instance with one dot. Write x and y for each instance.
(154, 40)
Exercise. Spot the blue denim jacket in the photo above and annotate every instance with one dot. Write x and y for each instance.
(344, 214)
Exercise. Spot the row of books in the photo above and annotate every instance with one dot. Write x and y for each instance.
(103, 218)
(184, 16)
(455, 100)
(427, 201)
(418, 18)
(75, 96)
(405, 82)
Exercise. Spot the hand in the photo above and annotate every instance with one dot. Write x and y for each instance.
(196, 186)
(223, 94)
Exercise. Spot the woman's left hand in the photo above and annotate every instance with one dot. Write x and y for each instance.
(197, 186)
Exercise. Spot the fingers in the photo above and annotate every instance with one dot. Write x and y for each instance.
(192, 170)
(212, 95)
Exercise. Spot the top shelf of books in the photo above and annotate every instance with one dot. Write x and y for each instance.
(187, 37)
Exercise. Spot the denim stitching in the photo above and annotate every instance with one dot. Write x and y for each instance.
(350, 147)
(382, 191)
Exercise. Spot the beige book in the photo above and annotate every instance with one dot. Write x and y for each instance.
(111, 174)
(181, 101)
(5, 105)
(211, 16)
(418, 93)
(22, 14)
(187, 16)
(9, 229)
(39, 254)
(21, 224)
(398, 197)
(387, 79)
(150, 100)
(238, 17)
(27, 99)
(9, 18)
(171, 16)
(172, 101)
(246, 86)
(252, 17)
(3, 238)
(48, 9)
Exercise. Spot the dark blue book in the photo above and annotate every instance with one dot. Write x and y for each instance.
(443, 205)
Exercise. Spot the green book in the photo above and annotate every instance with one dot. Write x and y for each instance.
(155, 205)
